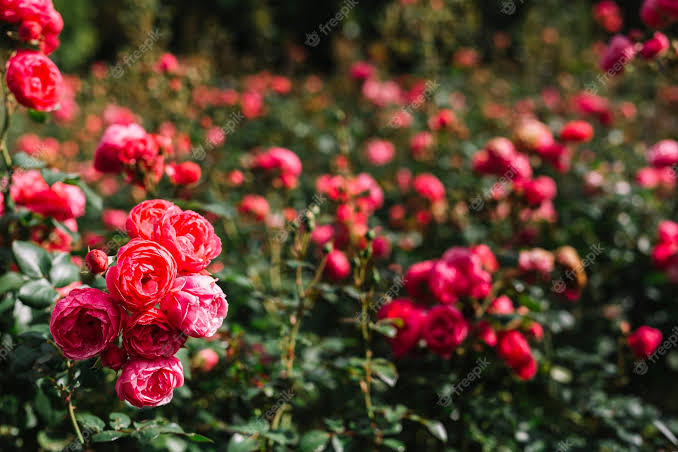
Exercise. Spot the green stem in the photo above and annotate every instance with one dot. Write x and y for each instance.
(71, 412)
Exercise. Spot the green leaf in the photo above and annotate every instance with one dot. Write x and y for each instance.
(90, 421)
(107, 436)
(53, 176)
(38, 294)
(436, 428)
(314, 441)
(37, 116)
(32, 260)
(10, 281)
(394, 444)
(118, 420)
(385, 327)
(385, 370)
(63, 272)
(147, 435)
(240, 443)
(23, 160)
(197, 438)
(92, 198)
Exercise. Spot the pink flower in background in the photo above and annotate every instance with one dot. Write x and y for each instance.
(149, 382)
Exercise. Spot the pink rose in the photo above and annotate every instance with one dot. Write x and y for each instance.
(337, 267)
(379, 152)
(143, 274)
(144, 216)
(60, 201)
(85, 322)
(149, 382)
(198, 307)
(34, 80)
(618, 53)
(113, 357)
(189, 237)
(150, 335)
(107, 157)
(644, 341)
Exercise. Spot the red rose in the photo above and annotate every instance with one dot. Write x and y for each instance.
(198, 307)
(416, 280)
(659, 43)
(144, 216)
(412, 318)
(514, 349)
(85, 322)
(577, 131)
(34, 80)
(150, 335)
(189, 237)
(149, 382)
(644, 341)
(444, 329)
(254, 206)
(186, 173)
(143, 274)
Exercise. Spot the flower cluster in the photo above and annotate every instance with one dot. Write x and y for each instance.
(282, 163)
(159, 294)
(446, 307)
(31, 76)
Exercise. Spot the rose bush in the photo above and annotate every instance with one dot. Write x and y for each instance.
(462, 238)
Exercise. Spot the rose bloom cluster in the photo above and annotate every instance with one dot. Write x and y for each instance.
(282, 164)
(159, 294)
(140, 155)
(34, 80)
(356, 199)
(424, 201)
(443, 307)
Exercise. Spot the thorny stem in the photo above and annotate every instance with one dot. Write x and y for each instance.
(71, 412)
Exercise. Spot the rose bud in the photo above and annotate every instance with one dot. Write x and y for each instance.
(143, 274)
(644, 341)
(149, 382)
(144, 216)
(198, 307)
(577, 131)
(113, 357)
(206, 359)
(536, 331)
(34, 80)
(501, 306)
(150, 335)
(412, 318)
(186, 173)
(189, 237)
(85, 322)
(337, 267)
(444, 329)
(96, 262)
